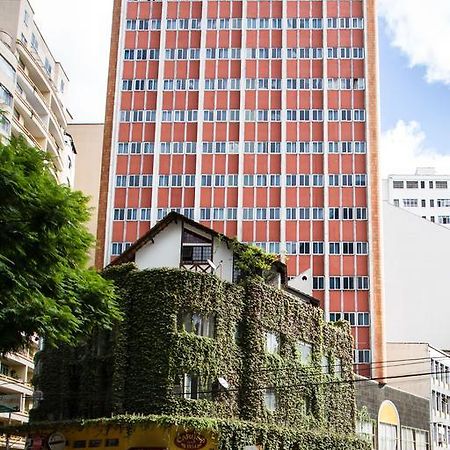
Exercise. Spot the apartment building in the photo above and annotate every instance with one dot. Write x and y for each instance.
(16, 391)
(32, 88)
(258, 119)
(425, 371)
(425, 193)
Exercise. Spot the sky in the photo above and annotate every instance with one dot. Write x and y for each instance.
(414, 73)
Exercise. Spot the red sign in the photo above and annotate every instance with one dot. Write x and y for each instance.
(190, 440)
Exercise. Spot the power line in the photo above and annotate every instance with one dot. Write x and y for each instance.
(297, 385)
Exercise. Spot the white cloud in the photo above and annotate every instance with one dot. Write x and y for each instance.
(404, 148)
(78, 34)
(421, 30)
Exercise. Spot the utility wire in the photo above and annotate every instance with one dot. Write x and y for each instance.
(291, 386)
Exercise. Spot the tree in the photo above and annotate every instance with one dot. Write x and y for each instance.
(45, 285)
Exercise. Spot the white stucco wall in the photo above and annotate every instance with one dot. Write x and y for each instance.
(165, 252)
(416, 277)
(223, 259)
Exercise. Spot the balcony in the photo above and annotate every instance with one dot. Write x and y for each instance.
(35, 68)
(18, 129)
(31, 121)
(15, 442)
(10, 385)
(196, 267)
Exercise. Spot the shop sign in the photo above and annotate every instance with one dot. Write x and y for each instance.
(56, 441)
(190, 440)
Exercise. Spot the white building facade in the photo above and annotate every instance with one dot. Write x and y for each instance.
(424, 193)
(33, 88)
(16, 391)
(434, 384)
(416, 274)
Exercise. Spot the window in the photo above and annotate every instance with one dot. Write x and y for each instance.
(363, 357)
(412, 184)
(318, 283)
(410, 202)
(48, 67)
(337, 367)
(444, 220)
(119, 214)
(192, 387)
(121, 180)
(441, 185)
(398, 184)
(304, 351)
(396, 202)
(270, 400)
(111, 442)
(5, 96)
(199, 325)
(272, 343)
(325, 364)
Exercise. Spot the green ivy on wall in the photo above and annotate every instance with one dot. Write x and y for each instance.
(135, 368)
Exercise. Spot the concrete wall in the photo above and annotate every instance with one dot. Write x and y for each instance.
(413, 410)
(164, 252)
(398, 352)
(88, 140)
(416, 274)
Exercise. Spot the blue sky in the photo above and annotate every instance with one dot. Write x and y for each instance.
(406, 95)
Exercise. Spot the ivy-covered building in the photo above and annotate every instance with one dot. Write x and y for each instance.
(194, 345)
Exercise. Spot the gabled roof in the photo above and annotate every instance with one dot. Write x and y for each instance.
(129, 254)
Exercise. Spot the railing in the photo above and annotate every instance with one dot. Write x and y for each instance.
(14, 441)
(14, 380)
(196, 267)
(26, 133)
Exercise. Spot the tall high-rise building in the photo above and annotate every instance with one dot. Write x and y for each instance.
(33, 87)
(259, 119)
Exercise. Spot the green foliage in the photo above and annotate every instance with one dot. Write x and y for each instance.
(251, 260)
(150, 348)
(45, 284)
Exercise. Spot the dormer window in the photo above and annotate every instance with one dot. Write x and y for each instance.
(196, 249)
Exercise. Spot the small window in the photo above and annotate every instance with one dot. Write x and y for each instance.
(93, 443)
(199, 325)
(79, 444)
(398, 184)
(270, 400)
(325, 363)
(338, 367)
(412, 185)
(191, 387)
(111, 442)
(305, 352)
(272, 343)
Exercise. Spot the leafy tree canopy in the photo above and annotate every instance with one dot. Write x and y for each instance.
(45, 285)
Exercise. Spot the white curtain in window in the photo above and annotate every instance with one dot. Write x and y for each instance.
(387, 435)
(421, 440)
(408, 439)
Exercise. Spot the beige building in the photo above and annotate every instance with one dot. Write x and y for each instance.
(88, 140)
(423, 370)
(16, 391)
(32, 88)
